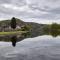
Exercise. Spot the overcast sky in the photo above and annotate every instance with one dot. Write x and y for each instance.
(41, 11)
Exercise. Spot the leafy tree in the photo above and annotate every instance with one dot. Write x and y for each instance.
(26, 28)
(13, 23)
(54, 26)
(54, 30)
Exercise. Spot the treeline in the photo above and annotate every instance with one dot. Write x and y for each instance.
(52, 29)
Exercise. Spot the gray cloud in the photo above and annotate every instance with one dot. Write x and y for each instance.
(28, 9)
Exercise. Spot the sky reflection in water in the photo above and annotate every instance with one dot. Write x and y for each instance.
(39, 48)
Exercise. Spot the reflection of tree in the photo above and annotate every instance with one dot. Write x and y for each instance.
(26, 35)
(14, 40)
(54, 33)
(18, 38)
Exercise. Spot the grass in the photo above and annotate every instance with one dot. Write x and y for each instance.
(12, 32)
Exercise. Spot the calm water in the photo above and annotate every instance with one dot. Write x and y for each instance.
(43, 47)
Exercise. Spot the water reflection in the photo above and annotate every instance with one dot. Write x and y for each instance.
(17, 38)
(14, 40)
(54, 33)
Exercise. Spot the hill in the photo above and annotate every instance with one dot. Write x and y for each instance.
(35, 28)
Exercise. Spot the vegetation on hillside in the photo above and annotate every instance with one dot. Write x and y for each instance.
(13, 24)
(34, 28)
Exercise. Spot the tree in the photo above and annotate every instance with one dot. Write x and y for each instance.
(13, 23)
(54, 26)
(26, 28)
(54, 31)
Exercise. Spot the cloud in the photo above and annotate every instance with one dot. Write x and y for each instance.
(47, 10)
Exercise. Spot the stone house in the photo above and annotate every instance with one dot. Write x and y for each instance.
(8, 28)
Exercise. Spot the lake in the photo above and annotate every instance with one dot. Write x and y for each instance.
(44, 47)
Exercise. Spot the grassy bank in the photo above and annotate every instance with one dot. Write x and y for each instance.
(12, 32)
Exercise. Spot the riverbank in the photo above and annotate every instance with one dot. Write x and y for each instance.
(12, 33)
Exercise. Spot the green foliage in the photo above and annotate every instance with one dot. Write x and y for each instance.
(54, 30)
(46, 28)
(13, 23)
(55, 26)
(26, 28)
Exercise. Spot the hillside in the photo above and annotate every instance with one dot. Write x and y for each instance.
(36, 29)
